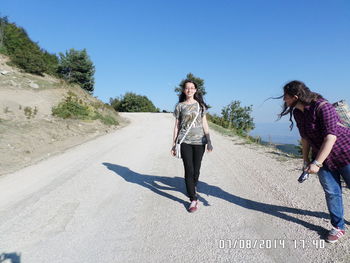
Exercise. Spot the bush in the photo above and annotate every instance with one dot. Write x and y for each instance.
(74, 108)
(132, 102)
(29, 60)
(51, 63)
(71, 108)
(235, 118)
(23, 52)
(107, 120)
(238, 117)
(29, 112)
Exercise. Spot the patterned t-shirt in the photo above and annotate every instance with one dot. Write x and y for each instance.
(316, 123)
(186, 113)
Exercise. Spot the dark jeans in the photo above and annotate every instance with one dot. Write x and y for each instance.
(330, 181)
(192, 159)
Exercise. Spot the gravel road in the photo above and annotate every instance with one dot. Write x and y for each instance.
(121, 198)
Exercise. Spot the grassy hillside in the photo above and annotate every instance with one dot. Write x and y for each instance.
(30, 132)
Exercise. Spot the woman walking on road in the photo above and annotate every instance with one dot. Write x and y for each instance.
(321, 129)
(191, 130)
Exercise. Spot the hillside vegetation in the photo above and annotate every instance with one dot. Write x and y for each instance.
(30, 132)
(73, 66)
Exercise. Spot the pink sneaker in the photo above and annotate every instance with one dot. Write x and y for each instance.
(334, 235)
(193, 206)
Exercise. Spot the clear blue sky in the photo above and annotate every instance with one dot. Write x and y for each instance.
(244, 50)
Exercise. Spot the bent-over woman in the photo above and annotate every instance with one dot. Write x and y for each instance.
(322, 131)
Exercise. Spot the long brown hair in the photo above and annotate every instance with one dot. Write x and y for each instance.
(305, 97)
(197, 96)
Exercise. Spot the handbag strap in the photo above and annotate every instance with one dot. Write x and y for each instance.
(183, 138)
(319, 107)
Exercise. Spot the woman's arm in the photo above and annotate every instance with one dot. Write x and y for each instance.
(176, 130)
(328, 118)
(325, 150)
(306, 151)
(175, 133)
(206, 132)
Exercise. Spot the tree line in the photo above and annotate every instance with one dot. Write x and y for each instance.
(74, 66)
(233, 116)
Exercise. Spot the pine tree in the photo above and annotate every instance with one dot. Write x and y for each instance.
(76, 67)
(198, 81)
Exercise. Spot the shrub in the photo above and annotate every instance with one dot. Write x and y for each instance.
(23, 52)
(71, 108)
(107, 120)
(74, 108)
(238, 117)
(132, 102)
(29, 112)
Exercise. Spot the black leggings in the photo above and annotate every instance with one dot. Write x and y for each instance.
(192, 159)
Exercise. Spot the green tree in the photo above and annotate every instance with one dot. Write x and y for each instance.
(115, 103)
(238, 117)
(76, 67)
(51, 63)
(23, 52)
(30, 59)
(132, 102)
(3, 22)
(198, 81)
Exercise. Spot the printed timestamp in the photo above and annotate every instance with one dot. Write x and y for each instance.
(270, 243)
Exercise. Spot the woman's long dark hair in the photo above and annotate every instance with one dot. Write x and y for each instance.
(305, 97)
(197, 96)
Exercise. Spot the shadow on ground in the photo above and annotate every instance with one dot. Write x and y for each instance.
(10, 257)
(158, 184)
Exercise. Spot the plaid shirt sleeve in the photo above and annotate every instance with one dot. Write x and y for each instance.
(298, 120)
(329, 119)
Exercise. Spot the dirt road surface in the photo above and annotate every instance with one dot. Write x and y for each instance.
(121, 198)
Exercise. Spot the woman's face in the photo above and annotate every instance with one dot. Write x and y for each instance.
(189, 89)
(290, 100)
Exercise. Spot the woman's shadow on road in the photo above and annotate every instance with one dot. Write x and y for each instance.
(158, 184)
(10, 257)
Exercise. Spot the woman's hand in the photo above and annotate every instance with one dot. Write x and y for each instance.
(209, 147)
(173, 150)
(313, 168)
(305, 166)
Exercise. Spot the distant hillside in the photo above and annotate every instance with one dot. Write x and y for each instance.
(276, 132)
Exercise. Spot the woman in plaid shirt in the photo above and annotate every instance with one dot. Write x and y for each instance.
(321, 131)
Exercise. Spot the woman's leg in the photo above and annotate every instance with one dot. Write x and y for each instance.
(187, 158)
(198, 151)
(330, 181)
(345, 173)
